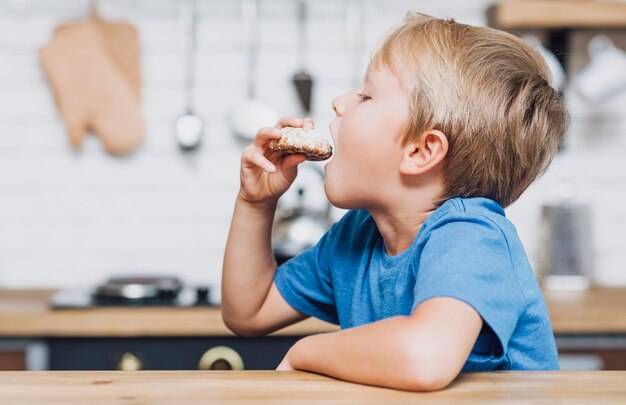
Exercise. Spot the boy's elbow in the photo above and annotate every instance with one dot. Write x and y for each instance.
(243, 331)
(426, 371)
(424, 381)
(243, 328)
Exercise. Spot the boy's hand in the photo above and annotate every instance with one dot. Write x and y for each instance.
(265, 174)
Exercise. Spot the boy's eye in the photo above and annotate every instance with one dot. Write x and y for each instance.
(363, 96)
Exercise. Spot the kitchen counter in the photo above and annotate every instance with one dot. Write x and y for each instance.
(25, 313)
(589, 326)
(271, 387)
(599, 310)
(558, 14)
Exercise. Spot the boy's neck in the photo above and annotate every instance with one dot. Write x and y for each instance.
(400, 216)
(399, 226)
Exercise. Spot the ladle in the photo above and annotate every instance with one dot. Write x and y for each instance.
(253, 113)
(189, 126)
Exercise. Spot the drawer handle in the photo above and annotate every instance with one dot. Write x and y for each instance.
(220, 358)
(130, 362)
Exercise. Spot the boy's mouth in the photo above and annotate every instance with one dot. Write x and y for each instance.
(333, 144)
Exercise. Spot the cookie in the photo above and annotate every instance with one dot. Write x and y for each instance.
(304, 141)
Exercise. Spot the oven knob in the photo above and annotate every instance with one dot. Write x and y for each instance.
(221, 358)
(129, 362)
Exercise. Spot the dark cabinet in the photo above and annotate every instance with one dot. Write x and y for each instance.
(184, 353)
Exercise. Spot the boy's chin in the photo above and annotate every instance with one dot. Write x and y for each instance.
(337, 198)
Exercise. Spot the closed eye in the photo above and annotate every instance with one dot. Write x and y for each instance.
(363, 96)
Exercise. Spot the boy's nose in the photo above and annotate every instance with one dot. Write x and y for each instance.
(339, 106)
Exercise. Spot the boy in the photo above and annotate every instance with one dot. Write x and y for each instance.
(425, 275)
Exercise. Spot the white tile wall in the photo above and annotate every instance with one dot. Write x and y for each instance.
(71, 218)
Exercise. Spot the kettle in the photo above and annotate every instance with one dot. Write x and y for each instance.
(299, 228)
(566, 253)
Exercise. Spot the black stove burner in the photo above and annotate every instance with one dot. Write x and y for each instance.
(132, 302)
(132, 295)
(139, 288)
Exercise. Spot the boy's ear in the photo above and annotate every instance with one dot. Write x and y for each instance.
(427, 152)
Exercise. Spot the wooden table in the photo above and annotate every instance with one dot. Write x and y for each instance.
(273, 387)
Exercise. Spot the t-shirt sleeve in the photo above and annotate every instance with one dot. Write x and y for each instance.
(305, 281)
(469, 260)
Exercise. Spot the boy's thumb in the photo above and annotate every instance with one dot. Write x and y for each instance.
(293, 160)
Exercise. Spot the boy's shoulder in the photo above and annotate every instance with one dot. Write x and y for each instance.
(470, 227)
(469, 213)
(456, 220)
(359, 224)
(464, 208)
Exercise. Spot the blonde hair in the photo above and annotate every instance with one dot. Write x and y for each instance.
(489, 92)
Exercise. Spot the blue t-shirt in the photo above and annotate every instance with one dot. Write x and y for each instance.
(466, 249)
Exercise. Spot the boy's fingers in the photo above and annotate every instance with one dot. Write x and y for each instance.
(253, 156)
(293, 160)
(265, 135)
(309, 123)
(290, 122)
(271, 155)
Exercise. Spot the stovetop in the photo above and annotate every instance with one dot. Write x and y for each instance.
(85, 298)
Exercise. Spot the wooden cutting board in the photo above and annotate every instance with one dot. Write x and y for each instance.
(94, 71)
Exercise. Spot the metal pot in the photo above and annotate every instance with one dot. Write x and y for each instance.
(566, 259)
(299, 228)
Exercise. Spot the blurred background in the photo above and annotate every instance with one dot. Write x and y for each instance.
(121, 129)
(73, 216)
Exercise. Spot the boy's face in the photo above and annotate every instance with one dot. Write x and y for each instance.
(368, 147)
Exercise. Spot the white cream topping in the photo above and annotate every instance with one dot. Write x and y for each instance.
(305, 137)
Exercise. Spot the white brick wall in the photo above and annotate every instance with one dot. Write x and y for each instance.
(72, 218)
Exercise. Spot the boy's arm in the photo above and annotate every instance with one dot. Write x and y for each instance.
(421, 352)
(251, 303)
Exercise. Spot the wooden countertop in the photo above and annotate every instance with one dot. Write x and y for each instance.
(25, 313)
(550, 14)
(272, 387)
(599, 310)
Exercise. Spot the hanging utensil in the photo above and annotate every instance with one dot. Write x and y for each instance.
(302, 80)
(354, 17)
(189, 126)
(252, 114)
